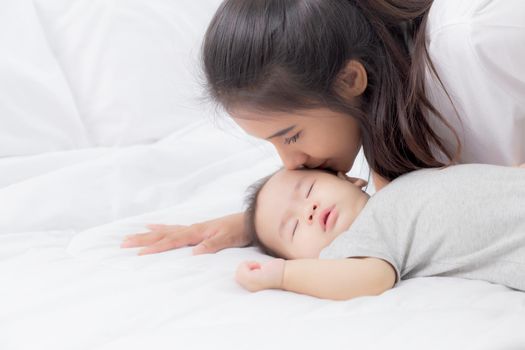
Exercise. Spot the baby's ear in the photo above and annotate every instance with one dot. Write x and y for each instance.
(354, 180)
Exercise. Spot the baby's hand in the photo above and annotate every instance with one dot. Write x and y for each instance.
(255, 276)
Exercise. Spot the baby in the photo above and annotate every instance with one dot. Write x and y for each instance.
(463, 221)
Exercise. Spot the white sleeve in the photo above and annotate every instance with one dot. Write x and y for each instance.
(478, 49)
(498, 40)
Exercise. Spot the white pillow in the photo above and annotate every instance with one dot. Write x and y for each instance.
(37, 110)
(133, 65)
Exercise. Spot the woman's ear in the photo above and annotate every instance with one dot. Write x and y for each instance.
(353, 79)
(354, 180)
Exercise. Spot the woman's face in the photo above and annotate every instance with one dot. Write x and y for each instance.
(317, 138)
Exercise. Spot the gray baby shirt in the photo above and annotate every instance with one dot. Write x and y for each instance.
(464, 221)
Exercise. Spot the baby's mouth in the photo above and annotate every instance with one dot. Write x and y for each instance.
(325, 215)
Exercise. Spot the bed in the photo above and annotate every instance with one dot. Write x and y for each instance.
(104, 131)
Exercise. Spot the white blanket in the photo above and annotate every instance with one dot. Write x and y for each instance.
(66, 283)
(81, 77)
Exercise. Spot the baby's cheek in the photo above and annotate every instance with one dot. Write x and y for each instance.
(325, 243)
(314, 249)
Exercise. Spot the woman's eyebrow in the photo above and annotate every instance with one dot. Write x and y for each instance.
(281, 132)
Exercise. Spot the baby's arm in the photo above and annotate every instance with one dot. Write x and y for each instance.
(339, 279)
(328, 279)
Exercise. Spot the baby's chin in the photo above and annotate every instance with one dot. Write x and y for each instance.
(305, 255)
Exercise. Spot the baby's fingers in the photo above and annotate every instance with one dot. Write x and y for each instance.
(245, 275)
(254, 265)
(250, 265)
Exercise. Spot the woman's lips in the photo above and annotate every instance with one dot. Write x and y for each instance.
(324, 165)
(328, 217)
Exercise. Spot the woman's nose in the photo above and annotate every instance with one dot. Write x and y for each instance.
(293, 160)
(311, 210)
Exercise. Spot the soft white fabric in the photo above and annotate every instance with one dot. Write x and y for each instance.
(66, 284)
(84, 73)
(96, 73)
(37, 109)
(133, 66)
(478, 49)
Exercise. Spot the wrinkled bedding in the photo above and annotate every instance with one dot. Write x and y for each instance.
(102, 131)
(66, 283)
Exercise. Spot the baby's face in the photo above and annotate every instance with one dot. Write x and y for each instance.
(299, 212)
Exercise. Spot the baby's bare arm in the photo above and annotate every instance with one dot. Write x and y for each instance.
(340, 279)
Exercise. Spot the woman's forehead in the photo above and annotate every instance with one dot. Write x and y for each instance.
(265, 128)
(272, 117)
(259, 115)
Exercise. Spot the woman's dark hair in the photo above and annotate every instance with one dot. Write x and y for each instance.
(286, 55)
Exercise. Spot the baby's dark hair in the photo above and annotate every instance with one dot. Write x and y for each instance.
(250, 202)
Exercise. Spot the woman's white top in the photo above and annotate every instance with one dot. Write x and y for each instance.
(478, 50)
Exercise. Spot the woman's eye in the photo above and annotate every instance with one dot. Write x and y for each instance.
(310, 190)
(293, 139)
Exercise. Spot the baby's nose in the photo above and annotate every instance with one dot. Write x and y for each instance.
(312, 208)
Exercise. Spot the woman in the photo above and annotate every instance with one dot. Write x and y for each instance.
(417, 84)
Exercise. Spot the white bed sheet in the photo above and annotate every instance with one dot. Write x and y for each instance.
(66, 284)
